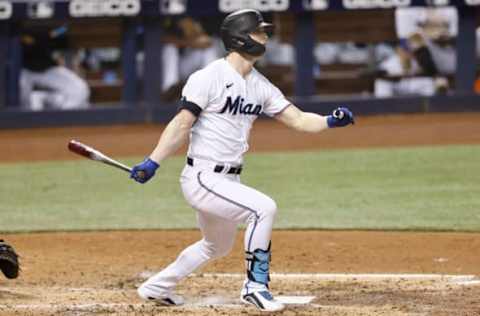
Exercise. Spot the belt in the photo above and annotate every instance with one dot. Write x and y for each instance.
(220, 168)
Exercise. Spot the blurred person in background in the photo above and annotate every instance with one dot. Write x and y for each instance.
(477, 81)
(425, 54)
(187, 47)
(280, 51)
(45, 80)
(428, 34)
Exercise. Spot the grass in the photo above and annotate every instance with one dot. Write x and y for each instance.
(424, 188)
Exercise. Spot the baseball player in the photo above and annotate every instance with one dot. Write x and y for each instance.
(218, 107)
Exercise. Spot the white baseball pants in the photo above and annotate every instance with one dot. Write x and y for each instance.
(222, 202)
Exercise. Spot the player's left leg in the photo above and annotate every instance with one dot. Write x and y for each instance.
(228, 198)
(258, 256)
(218, 240)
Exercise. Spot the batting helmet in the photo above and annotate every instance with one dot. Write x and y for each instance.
(236, 28)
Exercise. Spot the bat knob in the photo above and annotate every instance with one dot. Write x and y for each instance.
(338, 114)
(140, 174)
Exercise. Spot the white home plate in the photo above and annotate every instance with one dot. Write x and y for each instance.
(297, 300)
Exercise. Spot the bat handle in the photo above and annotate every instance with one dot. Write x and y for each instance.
(140, 174)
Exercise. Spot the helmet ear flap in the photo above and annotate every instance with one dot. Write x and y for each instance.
(238, 42)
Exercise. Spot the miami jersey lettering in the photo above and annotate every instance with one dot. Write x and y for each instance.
(238, 107)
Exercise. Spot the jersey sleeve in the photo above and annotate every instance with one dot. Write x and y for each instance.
(196, 93)
(275, 101)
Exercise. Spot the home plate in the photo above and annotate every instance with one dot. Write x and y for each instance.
(297, 300)
(234, 303)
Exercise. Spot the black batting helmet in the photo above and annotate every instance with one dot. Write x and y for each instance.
(236, 28)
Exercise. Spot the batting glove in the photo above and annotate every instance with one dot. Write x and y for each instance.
(341, 116)
(144, 171)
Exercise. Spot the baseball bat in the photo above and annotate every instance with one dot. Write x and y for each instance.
(93, 154)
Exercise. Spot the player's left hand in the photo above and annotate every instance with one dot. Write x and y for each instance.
(341, 116)
(144, 171)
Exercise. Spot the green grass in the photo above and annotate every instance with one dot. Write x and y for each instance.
(425, 188)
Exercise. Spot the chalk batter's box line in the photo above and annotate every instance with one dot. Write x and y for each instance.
(350, 276)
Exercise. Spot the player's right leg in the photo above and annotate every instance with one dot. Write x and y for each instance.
(218, 239)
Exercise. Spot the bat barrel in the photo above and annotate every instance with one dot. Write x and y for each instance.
(93, 154)
(78, 148)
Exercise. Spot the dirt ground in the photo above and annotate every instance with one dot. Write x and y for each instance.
(95, 273)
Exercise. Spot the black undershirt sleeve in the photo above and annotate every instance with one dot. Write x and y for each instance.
(190, 106)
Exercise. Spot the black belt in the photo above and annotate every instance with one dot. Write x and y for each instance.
(219, 168)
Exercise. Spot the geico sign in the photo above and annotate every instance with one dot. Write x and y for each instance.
(92, 8)
(371, 4)
(260, 5)
(6, 10)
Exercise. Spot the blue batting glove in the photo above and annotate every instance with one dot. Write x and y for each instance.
(340, 117)
(144, 171)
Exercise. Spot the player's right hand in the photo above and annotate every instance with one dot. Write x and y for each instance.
(144, 171)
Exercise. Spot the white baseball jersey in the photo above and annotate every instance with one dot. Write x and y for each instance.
(229, 105)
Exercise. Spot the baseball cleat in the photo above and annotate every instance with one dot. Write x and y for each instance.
(263, 300)
(171, 300)
(168, 299)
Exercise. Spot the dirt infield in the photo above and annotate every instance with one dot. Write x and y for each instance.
(95, 273)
